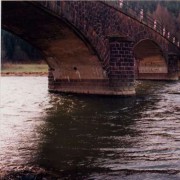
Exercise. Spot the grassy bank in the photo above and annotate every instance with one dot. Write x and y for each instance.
(24, 69)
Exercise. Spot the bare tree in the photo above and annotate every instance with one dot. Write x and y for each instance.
(165, 18)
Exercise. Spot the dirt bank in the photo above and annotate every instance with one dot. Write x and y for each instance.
(24, 73)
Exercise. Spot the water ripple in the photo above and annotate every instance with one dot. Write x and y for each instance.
(89, 137)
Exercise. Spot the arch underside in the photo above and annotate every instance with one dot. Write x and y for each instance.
(66, 54)
(150, 62)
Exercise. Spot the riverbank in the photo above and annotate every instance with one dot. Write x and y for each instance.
(24, 74)
(24, 70)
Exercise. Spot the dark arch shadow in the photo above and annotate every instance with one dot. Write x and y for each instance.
(151, 62)
(60, 43)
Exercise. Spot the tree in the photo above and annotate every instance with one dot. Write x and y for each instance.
(15, 49)
(165, 18)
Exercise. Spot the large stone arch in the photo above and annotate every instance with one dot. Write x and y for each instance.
(68, 53)
(150, 61)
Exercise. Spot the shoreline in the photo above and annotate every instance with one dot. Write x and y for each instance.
(3, 74)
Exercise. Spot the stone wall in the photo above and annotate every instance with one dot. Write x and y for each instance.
(121, 65)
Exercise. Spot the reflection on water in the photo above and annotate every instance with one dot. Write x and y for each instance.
(90, 137)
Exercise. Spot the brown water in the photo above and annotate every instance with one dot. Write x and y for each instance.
(80, 137)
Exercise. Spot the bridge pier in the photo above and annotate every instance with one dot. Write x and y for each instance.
(118, 78)
(173, 73)
(121, 65)
(179, 67)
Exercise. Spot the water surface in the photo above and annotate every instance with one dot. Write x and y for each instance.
(80, 137)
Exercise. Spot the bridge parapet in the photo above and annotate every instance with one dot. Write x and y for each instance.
(145, 19)
(61, 8)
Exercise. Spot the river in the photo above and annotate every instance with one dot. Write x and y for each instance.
(89, 137)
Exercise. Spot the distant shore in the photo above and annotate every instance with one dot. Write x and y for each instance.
(24, 70)
(24, 74)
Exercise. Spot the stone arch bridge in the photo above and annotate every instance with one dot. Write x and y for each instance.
(94, 47)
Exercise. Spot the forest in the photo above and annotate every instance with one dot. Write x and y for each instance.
(165, 12)
(16, 50)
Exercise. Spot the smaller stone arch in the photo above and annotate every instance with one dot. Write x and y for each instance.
(150, 60)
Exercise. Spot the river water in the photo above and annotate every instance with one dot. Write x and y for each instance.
(81, 137)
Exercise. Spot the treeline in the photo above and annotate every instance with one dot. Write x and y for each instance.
(166, 12)
(150, 6)
(14, 49)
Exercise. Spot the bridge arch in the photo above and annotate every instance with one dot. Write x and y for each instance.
(66, 50)
(150, 60)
